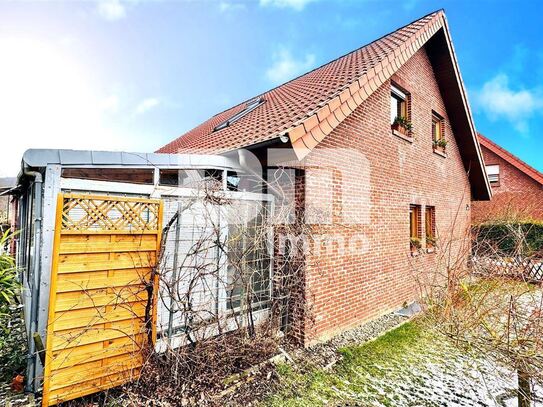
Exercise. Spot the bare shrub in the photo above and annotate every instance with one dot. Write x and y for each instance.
(491, 305)
(233, 291)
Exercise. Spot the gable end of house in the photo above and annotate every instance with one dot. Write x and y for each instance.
(308, 108)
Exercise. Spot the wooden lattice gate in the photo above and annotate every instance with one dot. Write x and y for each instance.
(105, 250)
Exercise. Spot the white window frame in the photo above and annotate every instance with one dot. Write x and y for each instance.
(400, 94)
(493, 173)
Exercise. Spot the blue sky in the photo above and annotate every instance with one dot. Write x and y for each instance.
(133, 75)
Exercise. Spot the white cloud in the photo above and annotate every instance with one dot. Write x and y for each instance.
(297, 5)
(146, 105)
(225, 6)
(286, 66)
(111, 10)
(499, 100)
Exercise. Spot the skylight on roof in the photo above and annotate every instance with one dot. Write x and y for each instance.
(249, 107)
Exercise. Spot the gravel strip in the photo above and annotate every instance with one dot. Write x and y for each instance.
(325, 355)
(12, 399)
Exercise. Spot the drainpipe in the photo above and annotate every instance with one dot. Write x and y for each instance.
(36, 277)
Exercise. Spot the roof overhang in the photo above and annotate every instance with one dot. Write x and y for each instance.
(42, 157)
(308, 128)
(435, 37)
(39, 159)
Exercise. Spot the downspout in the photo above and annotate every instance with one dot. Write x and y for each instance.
(30, 385)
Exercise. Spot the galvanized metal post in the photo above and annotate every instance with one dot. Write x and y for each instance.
(174, 283)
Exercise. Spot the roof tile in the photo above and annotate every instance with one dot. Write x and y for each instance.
(345, 95)
(323, 113)
(295, 102)
(318, 134)
(352, 104)
(358, 98)
(297, 132)
(346, 109)
(332, 120)
(311, 122)
(326, 126)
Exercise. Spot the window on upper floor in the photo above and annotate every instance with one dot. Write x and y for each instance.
(438, 132)
(398, 104)
(430, 223)
(493, 173)
(415, 230)
(399, 110)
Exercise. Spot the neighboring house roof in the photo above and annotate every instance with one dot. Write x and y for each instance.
(511, 159)
(310, 107)
(8, 182)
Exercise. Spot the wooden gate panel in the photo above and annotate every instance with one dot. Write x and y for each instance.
(105, 250)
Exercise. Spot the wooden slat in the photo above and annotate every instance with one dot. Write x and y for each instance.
(81, 318)
(97, 298)
(83, 258)
(94, 370)
(74, 263)
(107, 232)
(97, 351)
(90, 246)
(93, 386)
(96, 329)
(108, 237)
(96, 333)
(109, 197)
(102, 279)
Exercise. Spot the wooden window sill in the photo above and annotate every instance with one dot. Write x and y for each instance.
(403, 136)
(439, 152)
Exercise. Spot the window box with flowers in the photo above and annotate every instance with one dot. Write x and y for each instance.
(430, 244)
(399, 113)
(440, 146)
(416, 246)
(439, 142)
(402, 125)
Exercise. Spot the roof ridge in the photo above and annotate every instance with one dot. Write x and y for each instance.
(517, 162)
(333, 60)
(355, 50)
(309, 107)
(306, 132)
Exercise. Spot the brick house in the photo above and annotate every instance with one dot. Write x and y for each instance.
(385, 151)
(517, 187)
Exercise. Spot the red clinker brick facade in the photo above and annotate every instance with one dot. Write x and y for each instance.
(347, 290)
(517, 195)
(334, 124)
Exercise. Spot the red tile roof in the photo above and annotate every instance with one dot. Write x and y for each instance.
(511, 159)
(299, 106)
(311, 106)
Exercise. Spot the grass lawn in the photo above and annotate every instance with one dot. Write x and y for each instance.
(408, 366)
